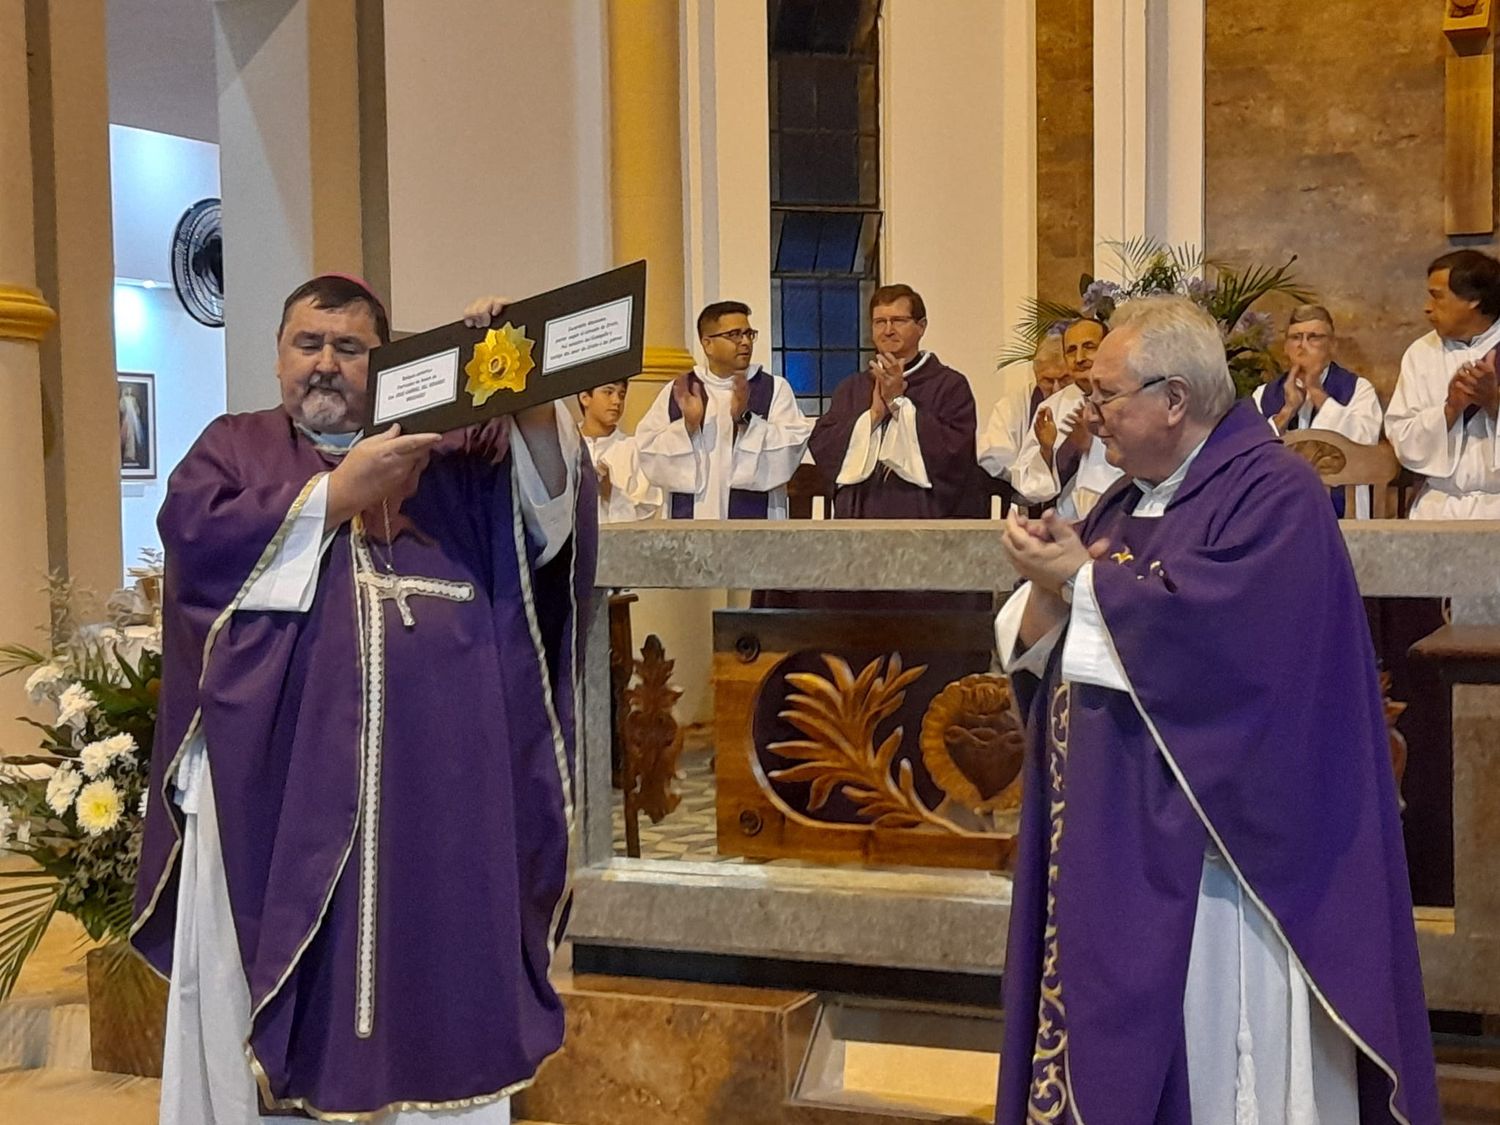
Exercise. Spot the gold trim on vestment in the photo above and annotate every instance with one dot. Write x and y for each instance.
(371, 609)
(1049, 1098)
(338, 873)
(267, 556)
(559, 744)
(1342, 1024)
(262, 1082)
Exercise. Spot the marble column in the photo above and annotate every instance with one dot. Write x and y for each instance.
(646, 203)
(68, 45)
(289, 166)
(646, 181)
(25, 319)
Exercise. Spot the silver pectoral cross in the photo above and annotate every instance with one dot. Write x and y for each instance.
(400, 588)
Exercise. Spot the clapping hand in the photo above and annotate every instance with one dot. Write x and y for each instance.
(690, 399)
(1045, 428)
(888, 374)
(1080, 437)
(739, 396)
(1047, 551)
(1485, 386)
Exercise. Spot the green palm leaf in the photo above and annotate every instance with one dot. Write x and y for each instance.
(25, 913)
(1038, 316)
(17, 658)
(1239, 289)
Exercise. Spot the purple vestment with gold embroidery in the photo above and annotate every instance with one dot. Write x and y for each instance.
(395, 801)
(1255, 725)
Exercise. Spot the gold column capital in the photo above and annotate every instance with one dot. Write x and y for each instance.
(662, 365)
(24, 314)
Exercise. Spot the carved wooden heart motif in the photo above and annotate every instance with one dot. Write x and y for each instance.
(988, 756)
(971, 742)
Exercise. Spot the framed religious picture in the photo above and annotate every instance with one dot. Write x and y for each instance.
(137, 426)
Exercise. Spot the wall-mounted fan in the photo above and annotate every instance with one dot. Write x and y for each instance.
(198, 262)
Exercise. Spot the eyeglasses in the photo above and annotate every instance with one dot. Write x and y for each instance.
(1097, 405)
(736, 335)
(1306, 337)
(883, 322)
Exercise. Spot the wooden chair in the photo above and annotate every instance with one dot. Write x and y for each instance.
(1349, 465)
(806, 483)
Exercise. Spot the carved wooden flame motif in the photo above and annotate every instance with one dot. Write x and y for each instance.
(972, 743)
(652, 738)
(1321, 456)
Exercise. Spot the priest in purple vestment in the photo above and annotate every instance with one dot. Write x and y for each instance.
(898, 440)
(1211, 920)
(356, 854)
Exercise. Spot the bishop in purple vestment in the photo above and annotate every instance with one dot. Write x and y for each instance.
(898, 441)
(1211, 918)
(371, 664)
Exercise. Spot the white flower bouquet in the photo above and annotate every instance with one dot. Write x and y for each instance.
(75, 808)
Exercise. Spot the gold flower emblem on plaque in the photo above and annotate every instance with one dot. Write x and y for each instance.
(501, 362)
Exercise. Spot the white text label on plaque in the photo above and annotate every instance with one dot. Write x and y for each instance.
(418, 385)
(583, 337)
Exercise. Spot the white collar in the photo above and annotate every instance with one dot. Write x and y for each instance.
(724, 382)
(1159, 496)
(921, 357)
(336, 444)
(1485, 340)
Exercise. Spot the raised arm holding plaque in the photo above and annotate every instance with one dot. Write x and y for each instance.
(546, 347)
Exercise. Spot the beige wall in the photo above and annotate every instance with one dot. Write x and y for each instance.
(497, 141)
(1065, 146)
(726, 159)
(1350, 179)
(959, 125)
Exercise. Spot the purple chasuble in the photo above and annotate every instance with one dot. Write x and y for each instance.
(1255, 726)
(744, 504)
(946, 428)
(395, 800)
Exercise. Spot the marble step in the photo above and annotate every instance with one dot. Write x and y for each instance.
(45, 1097)
(45, 1023)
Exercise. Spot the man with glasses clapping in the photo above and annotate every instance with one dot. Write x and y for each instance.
(723, 441)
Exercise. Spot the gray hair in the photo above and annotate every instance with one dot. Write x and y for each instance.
(1311, 312)
(1174, 337)
(1050, 350)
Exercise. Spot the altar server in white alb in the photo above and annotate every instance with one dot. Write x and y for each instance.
(722, 441)
(1014, 412)
(1442, 418)
(1317, 393)
(625, 495)
(1061, 462)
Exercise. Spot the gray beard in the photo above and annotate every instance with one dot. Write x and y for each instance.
(327, 412)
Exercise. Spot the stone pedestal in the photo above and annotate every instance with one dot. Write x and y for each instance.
(641, 1050)
(692, 1054)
